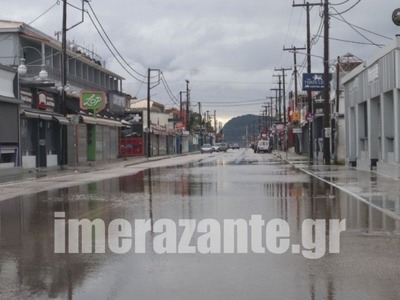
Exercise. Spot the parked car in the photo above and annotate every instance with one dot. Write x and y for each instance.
(235, 146)
(207, 148)
(219, 147)
(263, 146)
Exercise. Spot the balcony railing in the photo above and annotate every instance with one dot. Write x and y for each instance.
(54, 74)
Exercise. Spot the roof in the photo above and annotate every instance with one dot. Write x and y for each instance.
(31, 33)
(142, 104)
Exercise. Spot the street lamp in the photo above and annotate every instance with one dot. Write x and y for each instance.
(22, 69)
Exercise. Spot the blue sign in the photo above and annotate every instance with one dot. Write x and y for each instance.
(314, 81)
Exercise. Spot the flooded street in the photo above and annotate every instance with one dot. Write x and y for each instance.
(213, 187)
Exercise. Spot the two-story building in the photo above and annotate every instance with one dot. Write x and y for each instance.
(38, 59)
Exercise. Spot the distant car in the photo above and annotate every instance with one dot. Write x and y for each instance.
(263, 146)
(235, 146)
(207, 148)
(219, 147)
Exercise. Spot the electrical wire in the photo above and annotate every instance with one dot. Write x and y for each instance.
(169, 93)
(352, 27)
(350, 8)
(112, 44)
(366, 30)
(341, 3)
(51, 7)
(111, 51)
(354, 42)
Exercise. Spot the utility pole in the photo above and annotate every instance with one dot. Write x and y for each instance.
(336, 136)
(201, 127)
(187, 106)
(215, 123)
(284, 105)
(64, 139)
(276, 104)
(180, 106)
(148, 114)
(271, 110)
(279, 90)
(326, 92)
(149, 87)
(283, 91)
(294, 50)
(309, 93)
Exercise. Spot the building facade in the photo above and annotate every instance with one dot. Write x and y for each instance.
(10, 144)
(44, 113)
(372, 97)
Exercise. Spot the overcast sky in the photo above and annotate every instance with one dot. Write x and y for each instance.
(227, 49)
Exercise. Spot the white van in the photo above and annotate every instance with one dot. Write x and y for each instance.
(263, 146)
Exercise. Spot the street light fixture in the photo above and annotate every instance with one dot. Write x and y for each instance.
(22, 69)
(43, 73)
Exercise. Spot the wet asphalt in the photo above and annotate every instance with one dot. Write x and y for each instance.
(221, 186)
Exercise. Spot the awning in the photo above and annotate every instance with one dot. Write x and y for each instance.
(88, 120)
(31, 115)
(45, 117)
(106, 122)
(61, 120)
(125, 123)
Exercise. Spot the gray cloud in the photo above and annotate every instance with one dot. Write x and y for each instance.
(228, 49)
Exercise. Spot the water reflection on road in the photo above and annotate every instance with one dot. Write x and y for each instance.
(223, 186)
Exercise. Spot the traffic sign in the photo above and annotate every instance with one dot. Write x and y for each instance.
(310, 117)
(75, 120)
(327, 132)
(297, 130)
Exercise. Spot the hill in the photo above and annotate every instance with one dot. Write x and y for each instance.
(241, 129)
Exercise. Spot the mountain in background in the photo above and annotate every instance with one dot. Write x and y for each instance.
(241, 129)
(236, 129)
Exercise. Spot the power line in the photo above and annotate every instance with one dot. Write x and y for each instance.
(112, 44)
(111, 51)
(345, 11)
(51, 7)
(358, 27)
(242, 101)
(354, 42)
(352, 27)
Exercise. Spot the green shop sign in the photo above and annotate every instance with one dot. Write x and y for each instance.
(92, 100)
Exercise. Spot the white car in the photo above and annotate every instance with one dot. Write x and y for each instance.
(207, 148)
(220, 147)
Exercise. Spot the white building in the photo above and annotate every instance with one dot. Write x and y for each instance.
(372, 98)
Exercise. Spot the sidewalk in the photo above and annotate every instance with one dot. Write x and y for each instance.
(378, 191)
(33, 174)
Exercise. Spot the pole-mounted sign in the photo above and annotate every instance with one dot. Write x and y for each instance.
(93, 101)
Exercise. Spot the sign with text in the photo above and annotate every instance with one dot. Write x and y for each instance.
(92, 100)
(314, 81)
(117, 102)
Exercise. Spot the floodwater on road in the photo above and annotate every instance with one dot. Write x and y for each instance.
(208, 190)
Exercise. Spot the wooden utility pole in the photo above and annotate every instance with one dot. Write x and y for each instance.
(64, 133)
(294, 50)
(279, 90)
(309, 94)
(149, 87)
(283, 91)
(201, 126)
(187, 106)
(326, 91)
